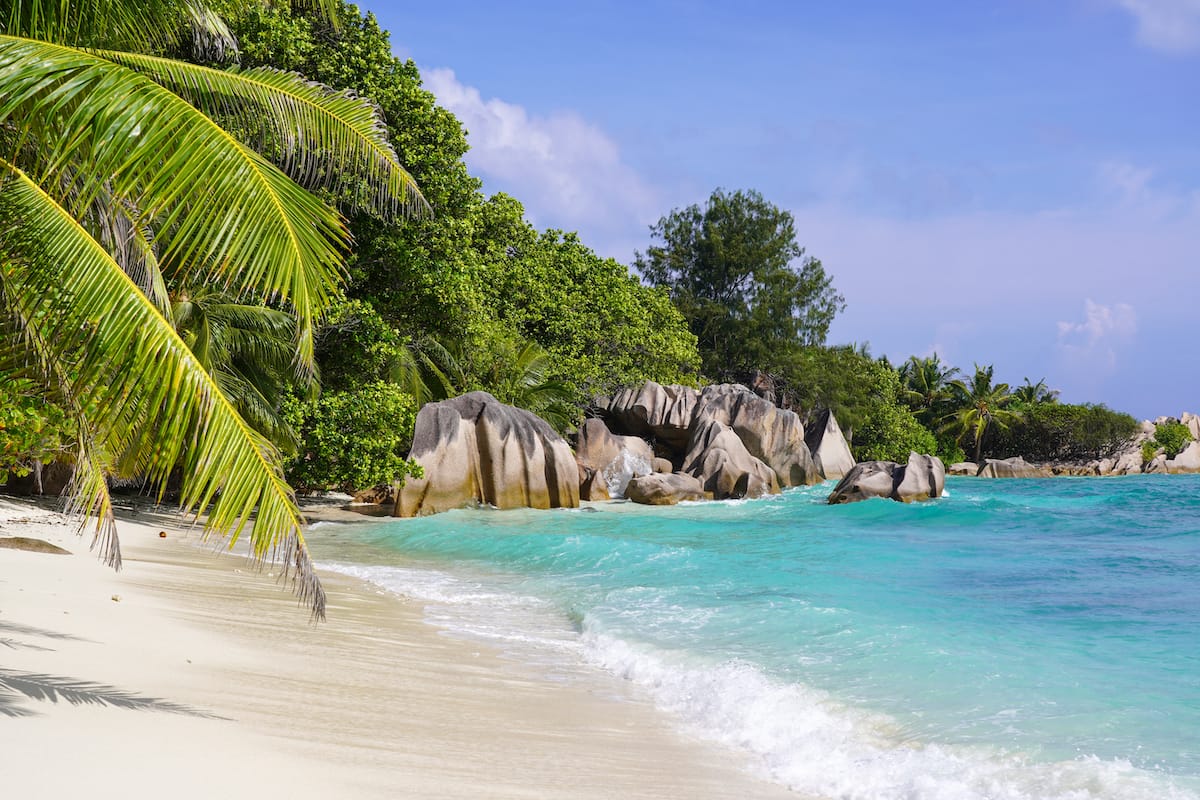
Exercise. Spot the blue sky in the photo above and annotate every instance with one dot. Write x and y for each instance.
(1015, 183)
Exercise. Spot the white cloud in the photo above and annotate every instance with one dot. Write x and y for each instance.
(1101, 328)
(567, 171)
(1172, 26)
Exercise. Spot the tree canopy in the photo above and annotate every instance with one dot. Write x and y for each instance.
(734, 269)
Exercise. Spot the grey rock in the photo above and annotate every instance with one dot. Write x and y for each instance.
(664, 489)
(475, 449)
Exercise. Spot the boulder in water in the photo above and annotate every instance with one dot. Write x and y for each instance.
(1187, 460)
(922, 478)
(664, 489)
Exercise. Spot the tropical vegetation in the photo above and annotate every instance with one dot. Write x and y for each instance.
(127, 181)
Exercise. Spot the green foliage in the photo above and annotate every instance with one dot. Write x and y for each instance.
(353, 439)
(980, 407)
(864, 395)
(33, 431)
(355, 344)
(1031, 394)
(1172, 437)
(476, 278)
(1065, 432)
(745, 287)
(600, 325)
(891, 433)
(926, 389)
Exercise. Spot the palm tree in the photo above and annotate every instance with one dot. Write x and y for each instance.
(980, 406)
(249, 351)
(1034, 394)
(119, 176)
(430, 371)
(926, 388)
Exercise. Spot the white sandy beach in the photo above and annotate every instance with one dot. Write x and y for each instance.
(372, 703)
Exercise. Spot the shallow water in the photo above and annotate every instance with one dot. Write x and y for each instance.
(1014, 639)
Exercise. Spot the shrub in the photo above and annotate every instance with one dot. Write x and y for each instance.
(33, 431)
(1171, 437)
(352, 440)
(1065, 432)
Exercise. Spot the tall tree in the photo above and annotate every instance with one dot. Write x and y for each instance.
(115, 178)
(747, 290)
(981, 407)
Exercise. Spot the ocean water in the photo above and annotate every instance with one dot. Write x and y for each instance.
(1014, 639)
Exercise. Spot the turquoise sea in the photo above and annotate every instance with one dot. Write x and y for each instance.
(1013, 639)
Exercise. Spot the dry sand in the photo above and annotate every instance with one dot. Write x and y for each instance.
(194, 676)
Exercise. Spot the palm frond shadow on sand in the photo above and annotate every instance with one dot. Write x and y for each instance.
(29, 630)
(52, 688)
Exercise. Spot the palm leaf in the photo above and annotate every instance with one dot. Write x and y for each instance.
(150, 402)
(302, 118)
(221, 213)
(91, 22)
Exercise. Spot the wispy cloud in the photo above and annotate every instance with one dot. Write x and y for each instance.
(1094, 342)
(567, 171)
(1172, 26)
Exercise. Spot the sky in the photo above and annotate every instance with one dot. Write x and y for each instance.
(1013, 182)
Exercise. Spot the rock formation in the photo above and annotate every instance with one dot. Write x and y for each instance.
(1016, 467)
(653, 411)
(607, 462)
(922, 478)
(830, 453)
(662, 489)
(968, 468)
(723, 464)
(1188, 459)
(475, 449)
(672, 417)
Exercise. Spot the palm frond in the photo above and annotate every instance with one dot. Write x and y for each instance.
(142, 23)
(151, 404)
(222, 213)
(311, 124)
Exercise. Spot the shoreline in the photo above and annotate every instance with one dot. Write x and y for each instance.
(373, 703)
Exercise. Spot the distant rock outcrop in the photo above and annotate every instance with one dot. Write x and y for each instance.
(653, 411)
(968, 468)
(922, 478)
(676, 418)
(771, 434)
(475, 449)
(1188, 459)
(1016, 467)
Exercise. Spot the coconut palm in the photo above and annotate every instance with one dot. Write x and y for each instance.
(249, 351)
(1034, 394)
(980, 407)
(430, 371)
(926, 387)
(120, 177)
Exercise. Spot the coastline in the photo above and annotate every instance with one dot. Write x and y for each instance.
(373, 703)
